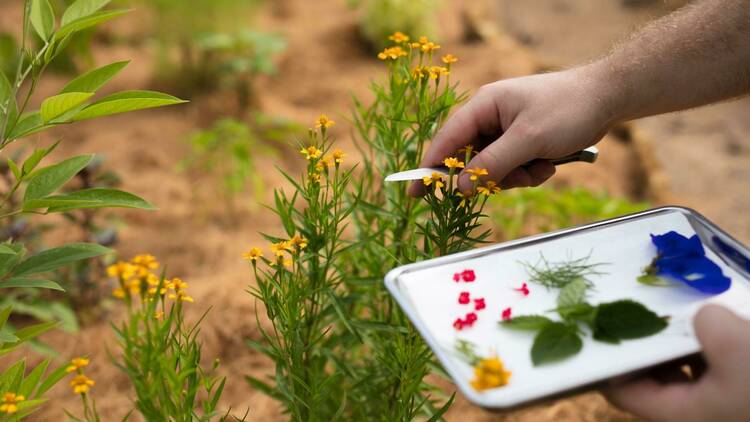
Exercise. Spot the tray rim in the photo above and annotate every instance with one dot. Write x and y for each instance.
(391, 279)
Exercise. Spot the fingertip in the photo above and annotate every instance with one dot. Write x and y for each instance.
(416, 189)
(720, 332)
(648, 399)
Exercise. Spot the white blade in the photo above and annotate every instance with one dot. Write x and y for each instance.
(416, 174)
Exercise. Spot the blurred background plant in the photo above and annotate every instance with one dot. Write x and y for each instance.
(381, 18)
(522, 212)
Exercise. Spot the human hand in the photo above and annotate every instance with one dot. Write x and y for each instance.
(524, 120)
(721, 394)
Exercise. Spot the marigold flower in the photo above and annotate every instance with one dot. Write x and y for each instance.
(178, 284)
(324, 122)
(489, 188)
(181, 296)
(420, 72)
(152, 279)
(423, 40)
(10, 402)
(524, 289)
(415, 45)
(280, 247)
(121, 270)
(506, 315)
(452, 163)
(253, 254)
(134, 286)
(118, 293)
(338, 156)
(463, 298)
(449, 58)
(399, 37)
(311, 152)
(476, 172)
(468, 149)
(76, 364)
(429, 47)
(81, 384)
(147, 261)
(313, 177)
(158, 314)
(465, 197)
(282, 261)
(392, 53)
(324, 163)
(490, 373)
(438, 71)
(298, 242)
(436, 180)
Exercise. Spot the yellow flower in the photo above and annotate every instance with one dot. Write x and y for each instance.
(152, 279)
(76, 364)
(476, 172)
(134, 286)
(449, 58)
(429, 47)
(489, 188)
(399, 37)
(81, 384)
(423, 40)
(453, 163)
(121, 270)
(314, 177)
(181, 296)
(253, 254)
(435, 179)
(118, 293)
(178, 284)
(438, 71)
(10, 402)
(324, 122)
(420, 72)
(468, 149)
(415, 45)
(465, 197)
(146, 261)
(324, 163)
(489, 373)
(392, 53)
(279, 248)
(298, 241)
(281, 261)
(158, 314)
(311, 152)
(338, 156)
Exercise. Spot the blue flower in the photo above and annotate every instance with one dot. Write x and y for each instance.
(684, 259)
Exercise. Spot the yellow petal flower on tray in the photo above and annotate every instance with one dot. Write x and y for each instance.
(76, 364)
(449, 58)
(399, 37)
(10, 402)
(253, 254)
(490, 373)
(452, 163)
(311, 152)
(324, 122)
(81, 384)
(476, 172)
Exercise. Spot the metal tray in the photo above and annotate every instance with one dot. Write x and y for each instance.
(428, 295)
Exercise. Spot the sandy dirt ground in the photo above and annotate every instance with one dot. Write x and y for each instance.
(323, 64)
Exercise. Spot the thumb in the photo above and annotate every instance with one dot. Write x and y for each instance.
(722, 334)
(507, 153)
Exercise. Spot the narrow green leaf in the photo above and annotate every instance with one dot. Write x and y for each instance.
(7, 337)
(6, 93)
(54, 258)
(14, 169)
(42, 18)
(48, 179)
(30, 383)
(554, 342)
(526, 322)
(125, 101)
(81, 9)
(92, 198)
(626, 319)
(30, 123)
(33, 160)
(30, 282)
(54, 107)
(51, 380)
(93, 80)
(4, 315)
(27, 333)
(87, 22)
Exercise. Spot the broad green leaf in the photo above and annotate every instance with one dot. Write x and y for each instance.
(8, 261)
(36, 157)
(42, 18)
(93, 80)
(14, 169)
(573, 293)
(7, 250)
(583, 312)
(91, 198)
(30, 282)
(626, 319)
(87, 22)
(54, 107)
(526, 322)
(54, 258)
(48, 179)
(554, 342)
(28, 124)
(81, 9)
(125, 101)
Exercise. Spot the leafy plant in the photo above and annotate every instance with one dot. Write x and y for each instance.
(381, 18)
(41, 184)
(527, 211)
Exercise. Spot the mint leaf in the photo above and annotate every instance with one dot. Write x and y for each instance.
(526, 322)
(573, 293)
(583, 312)
(625, 319)
(554, 342)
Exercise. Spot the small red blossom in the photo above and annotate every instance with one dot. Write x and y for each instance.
(457, 277)
(458, 324)
(468, 276)
(479, 304)
(524, 289)
(463, 298)
(506, 314)
(470, 318)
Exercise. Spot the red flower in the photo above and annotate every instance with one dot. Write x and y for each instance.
(479, 304)
(463, 298)
(524, 289)
(470, 318)
(468, 276)
(506, 314)
(458, 324)
(457, 277)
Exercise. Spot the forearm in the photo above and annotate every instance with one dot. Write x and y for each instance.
(697, 55)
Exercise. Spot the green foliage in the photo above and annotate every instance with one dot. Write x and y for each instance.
(30, 385)
(555, 341)
(625, 319)
(381, 18)
(520, 212)
(43, 38)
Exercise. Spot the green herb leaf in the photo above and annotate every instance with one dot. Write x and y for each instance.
(87, 22)
(527, 322)
(54, 107)
(29, 123)
(54, 258)
(554, 342)
(573, 293)
(93, 80)
(89, 198)
(30, 282)
(626, 319)
(583, 312)
(125, 101)
(48, 179)
(42, 18)
(81, 9)
(653, 280)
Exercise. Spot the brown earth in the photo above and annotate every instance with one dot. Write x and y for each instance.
(323, 64)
